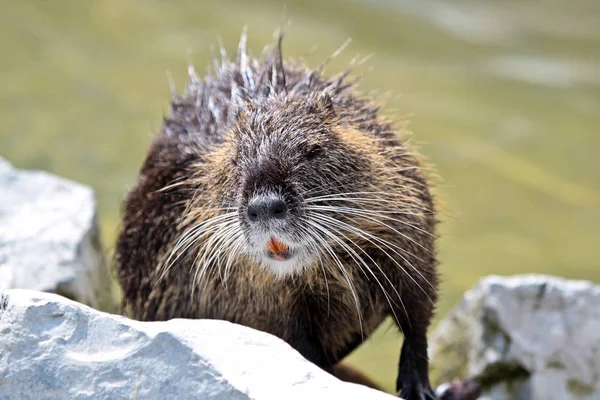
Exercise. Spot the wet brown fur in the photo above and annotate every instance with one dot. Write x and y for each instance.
(192, 166)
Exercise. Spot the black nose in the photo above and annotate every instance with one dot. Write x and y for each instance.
(264, 208)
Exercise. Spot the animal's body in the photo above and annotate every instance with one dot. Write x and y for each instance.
(277, 198)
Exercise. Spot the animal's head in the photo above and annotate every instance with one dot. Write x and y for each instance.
(285, 162)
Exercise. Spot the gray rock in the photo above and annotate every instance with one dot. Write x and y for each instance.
(55, 348)
(49, 237)
(543, 331)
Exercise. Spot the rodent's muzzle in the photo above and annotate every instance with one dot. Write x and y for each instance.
(267, 217)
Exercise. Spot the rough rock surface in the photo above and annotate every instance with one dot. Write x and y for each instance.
(547, 326)
(55, 348)
(49, 237)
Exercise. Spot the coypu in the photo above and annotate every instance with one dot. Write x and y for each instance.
(278, 198)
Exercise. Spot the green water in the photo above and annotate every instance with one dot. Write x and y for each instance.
(504, 97)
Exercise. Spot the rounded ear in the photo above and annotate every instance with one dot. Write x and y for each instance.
(325, 104)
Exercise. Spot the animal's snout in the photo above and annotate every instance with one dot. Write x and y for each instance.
(265, 208)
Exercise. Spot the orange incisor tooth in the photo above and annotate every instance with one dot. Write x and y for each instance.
(275, 246)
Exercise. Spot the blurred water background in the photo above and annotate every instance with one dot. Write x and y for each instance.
(503, 96)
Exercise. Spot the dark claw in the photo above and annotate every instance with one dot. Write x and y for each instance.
(418, 395)
(467, 389)
(413, 390)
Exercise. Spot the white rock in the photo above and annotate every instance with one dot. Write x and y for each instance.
(49, 237)
(55, 348)
(548, 325)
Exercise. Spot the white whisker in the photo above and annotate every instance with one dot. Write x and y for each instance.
(189, 237)
(368, 215)
(369, 237)
(352, 253)
(346, 277)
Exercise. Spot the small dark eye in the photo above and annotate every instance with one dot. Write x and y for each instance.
(313, 152)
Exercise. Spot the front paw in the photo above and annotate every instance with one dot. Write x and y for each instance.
(414, 390)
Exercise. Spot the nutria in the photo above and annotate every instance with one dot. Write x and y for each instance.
(278, 198)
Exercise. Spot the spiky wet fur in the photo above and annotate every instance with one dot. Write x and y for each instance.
(191, 175)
